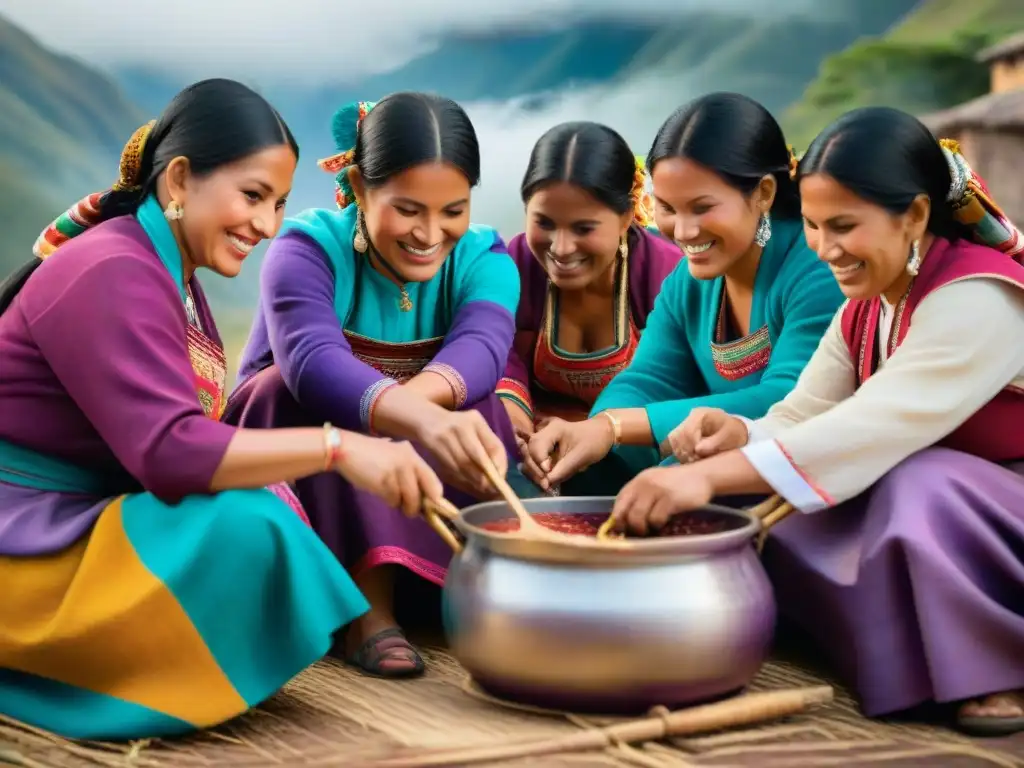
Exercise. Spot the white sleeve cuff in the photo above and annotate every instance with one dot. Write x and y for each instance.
(754, 432)
(778, 471)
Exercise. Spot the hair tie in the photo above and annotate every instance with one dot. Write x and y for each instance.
(794, 162)
(345, 127)
(643, 202)
(130, 166)
(974, 208)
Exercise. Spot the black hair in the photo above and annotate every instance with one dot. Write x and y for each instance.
(588, 155)
(888, 158)
(213, 123)
(736, 138)
(407, 129)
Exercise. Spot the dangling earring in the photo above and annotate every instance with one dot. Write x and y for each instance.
(623, 247)
(914, 262)
(764, 231)
(174, 211)
(359, 242)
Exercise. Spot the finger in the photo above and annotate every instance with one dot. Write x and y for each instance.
(493, 446)
(389, 488)
(542, 445)
(533, 473)
(636, 515)
(622, 504)
(409, 490)
(573, 462)
(659, 513)
(462, 464)
(430, 485)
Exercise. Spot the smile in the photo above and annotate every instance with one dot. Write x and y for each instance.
(694, 250)
(847, 270)
(566, 265)
(242, 245)
(420, 252)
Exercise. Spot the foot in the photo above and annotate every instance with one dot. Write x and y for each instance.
(998, 714)
(382, 652)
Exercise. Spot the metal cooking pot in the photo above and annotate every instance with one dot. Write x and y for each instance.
(609, 626)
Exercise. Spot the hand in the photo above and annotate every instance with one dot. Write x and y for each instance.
(561, 449)
(706, 432)
(652, 497)
(391, 470)
(463, 443)
(523, 427)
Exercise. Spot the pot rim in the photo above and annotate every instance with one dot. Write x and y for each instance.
(587, 550)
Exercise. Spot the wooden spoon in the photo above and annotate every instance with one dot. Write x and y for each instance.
(528, 527)
(435, 514)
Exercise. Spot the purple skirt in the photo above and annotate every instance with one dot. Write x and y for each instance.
(915, 588)
(361, 529)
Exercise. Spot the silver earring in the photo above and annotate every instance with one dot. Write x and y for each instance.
(359, 242)
(764, 231)
(914, 262)
(174, 211)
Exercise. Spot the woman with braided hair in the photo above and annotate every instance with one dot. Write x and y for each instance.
(391, 315)
(735, 327)
(151, 585)
(902, 445)
(590, 271)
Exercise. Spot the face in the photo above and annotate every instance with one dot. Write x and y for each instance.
(574, 236)
(228, 212)
(711, 221)
(416, 217)
(865, 245)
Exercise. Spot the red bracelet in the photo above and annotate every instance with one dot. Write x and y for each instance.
(332, 447)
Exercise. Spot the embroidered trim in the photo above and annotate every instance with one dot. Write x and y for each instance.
(209, 369)
(368, 402)
(454, 379)
(740, 358)
(825, 497)
(398, 361)
(737, 359)
(422, 567)
(516, 392)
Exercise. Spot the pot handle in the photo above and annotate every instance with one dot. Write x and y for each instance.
(436, 514)
(769, 512)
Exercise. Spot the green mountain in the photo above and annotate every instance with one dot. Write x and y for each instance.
(62, 126)
(924, 63)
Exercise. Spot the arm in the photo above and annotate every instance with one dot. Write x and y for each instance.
(662, 369)
(514, 385)
(944, 371)
(807, 311)
(828, 379)
(124, 361)
(476, 347)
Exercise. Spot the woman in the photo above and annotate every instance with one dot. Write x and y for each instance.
(735, 328)
(904, 435)
(590, 272)
(393, 315)
(137, 547)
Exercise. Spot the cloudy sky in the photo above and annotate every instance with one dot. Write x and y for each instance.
(318, 40)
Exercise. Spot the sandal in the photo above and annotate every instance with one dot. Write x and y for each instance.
(987, 726)
(387, 645)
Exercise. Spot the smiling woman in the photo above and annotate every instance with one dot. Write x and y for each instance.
(137, 543)
(590, 271)
(736, 326)
(392, 315)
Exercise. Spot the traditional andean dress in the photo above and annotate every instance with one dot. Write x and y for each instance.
(545, 380)
(905, 438)
(135, 602)
(331, 336)
(690, 356)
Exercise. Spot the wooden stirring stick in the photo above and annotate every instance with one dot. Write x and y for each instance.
(435, 514)
(748, 709)
(527, 525)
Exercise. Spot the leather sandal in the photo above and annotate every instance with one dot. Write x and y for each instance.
(388, 645)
